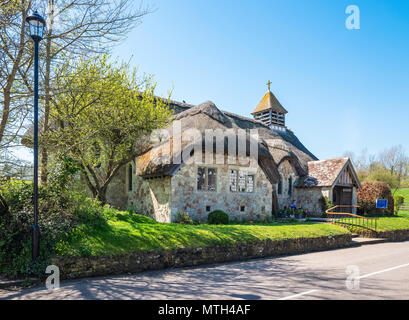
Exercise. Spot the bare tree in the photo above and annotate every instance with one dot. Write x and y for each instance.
(362, 161)
(75, 28)
(395, 160)
(13, 43)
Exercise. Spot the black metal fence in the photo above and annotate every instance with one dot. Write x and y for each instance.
(355, 223)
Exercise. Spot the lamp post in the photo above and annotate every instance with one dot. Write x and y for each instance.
(36, 25)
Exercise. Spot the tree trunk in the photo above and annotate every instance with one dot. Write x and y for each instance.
(4, 209)
(11, 78)
(101, 196)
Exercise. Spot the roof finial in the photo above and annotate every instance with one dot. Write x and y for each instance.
(269, 83)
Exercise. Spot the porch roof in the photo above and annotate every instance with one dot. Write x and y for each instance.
(325, 173)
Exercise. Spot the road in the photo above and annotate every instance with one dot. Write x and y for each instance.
(383, 274)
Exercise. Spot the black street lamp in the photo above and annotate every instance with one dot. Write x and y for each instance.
(36, 27)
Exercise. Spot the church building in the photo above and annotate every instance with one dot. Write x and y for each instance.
(283, 170)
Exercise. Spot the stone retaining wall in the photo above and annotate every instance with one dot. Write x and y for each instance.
(396, 235)
(77, 267)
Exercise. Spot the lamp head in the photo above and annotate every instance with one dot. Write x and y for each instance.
(36, 26)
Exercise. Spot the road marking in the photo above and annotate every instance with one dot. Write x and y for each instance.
(383, 271)
(361, 277)
(298, 295)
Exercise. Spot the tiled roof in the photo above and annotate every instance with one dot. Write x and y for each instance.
(322, 173)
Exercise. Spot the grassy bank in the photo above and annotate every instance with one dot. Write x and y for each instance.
(125, 233)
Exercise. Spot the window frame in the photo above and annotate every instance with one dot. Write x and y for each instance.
(246, 181)
(206, 179)
(280, 186)
(130, 177)
(290, 185)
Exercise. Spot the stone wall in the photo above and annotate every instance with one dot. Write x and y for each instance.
(286, 171)
(309, 198)
(186, 198)
(116, 193)
(395, 235)
(72, 267)
(151, 198)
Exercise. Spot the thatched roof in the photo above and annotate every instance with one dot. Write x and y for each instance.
(325, 173)
(273, 146)
(269, 102)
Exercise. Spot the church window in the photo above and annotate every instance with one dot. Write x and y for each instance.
(250, 183)
(290, 186)
(280, 186)
(130, 177)
(206, 179)
(233, 180)
(240, 181)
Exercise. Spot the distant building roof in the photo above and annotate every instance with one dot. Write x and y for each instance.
(269, 102)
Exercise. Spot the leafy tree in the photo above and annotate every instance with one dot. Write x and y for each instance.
(103, 119)
(399, 201)
(384, 175)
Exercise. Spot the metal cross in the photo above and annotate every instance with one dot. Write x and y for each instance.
(269, 83)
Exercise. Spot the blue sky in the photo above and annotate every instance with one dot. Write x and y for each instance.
(344, 89)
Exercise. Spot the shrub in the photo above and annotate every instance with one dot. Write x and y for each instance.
(85, 209)
(399, 201)
(183, 218)
(300, 212)
(325, 204)
(370, 192)
(60, 212)
(218, 217)
(16, 226)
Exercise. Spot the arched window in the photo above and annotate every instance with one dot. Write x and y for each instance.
(280, 186)
(130, 177)
(290, 186)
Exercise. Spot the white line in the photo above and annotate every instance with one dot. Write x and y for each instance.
(298, 295)
(383, 271)
(361, 277)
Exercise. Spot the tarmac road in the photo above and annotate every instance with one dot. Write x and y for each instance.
(379, 271)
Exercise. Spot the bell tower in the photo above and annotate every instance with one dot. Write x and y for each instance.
(270, 111)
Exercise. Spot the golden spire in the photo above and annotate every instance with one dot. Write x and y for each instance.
(269, 102)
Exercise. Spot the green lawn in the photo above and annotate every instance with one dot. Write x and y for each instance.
(400, 222)
(125, 233)
(403, 192)
(119, 236)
